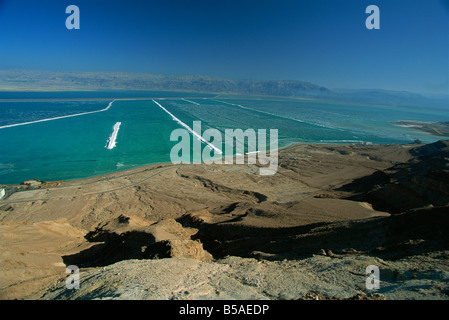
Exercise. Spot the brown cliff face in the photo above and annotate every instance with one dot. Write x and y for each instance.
(421, 182)
(125, 238)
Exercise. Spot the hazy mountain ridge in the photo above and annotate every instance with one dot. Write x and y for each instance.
(34, 80)
(27, 80)
(389, 97)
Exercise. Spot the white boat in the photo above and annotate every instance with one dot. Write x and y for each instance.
(111, 143)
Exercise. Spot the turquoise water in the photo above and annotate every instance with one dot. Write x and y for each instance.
(74, 148)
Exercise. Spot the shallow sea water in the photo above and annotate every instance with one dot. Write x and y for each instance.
(74, 147)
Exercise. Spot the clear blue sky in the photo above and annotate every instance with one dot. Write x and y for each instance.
(321, 41)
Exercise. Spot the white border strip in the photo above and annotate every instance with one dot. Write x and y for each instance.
(57, 118)
(198, 136)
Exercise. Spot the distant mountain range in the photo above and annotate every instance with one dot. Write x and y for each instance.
(46, 80)
(389, 97)
(25, 80)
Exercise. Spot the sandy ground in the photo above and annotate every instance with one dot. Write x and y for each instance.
(203, 214)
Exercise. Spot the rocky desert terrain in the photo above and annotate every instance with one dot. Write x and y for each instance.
(226, 232)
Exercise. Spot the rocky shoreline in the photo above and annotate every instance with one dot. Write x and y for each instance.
(439, 129)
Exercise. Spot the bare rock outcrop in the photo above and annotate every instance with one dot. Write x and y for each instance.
(122, 239)
(418, 183)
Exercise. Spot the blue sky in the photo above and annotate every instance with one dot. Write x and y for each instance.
(321, 41)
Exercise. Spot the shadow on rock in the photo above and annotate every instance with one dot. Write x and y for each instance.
(118, 241)
(393, 237)
(421, 182)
